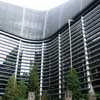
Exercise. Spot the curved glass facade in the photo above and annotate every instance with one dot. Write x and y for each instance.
(51, 67)
(17, 53)
(92, 28)
(76, 45)
(80, 49)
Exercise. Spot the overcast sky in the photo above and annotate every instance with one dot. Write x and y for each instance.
(37, 4)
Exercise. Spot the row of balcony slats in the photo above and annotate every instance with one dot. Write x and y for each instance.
(92, 31)
(92, 28)
(51, 72)
(8, 56)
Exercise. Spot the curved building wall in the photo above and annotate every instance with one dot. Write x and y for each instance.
(92, 28)
(51, 68)
(80, 42)
(75, 45)
(17, 53)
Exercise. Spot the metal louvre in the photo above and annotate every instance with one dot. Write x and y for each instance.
(93, 42)
(55, 51)
(29, 53)
(50, 70)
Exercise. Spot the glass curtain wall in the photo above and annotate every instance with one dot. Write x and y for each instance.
(80, 47)
(51, 69)
(29, 53)
(8, 57)
(65, 57)
(92, 28)
(84, 50)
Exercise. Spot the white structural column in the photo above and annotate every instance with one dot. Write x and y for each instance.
(42, 56)
(41, 77)
(59, 43)
(17, 61)
(86, 58)
(69, 24)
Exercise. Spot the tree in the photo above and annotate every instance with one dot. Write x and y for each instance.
(14, 90)
(22, 89)
(11, 91)
(73, 84)
(34, 81)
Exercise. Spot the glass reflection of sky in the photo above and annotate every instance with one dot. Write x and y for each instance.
(28, 51)
(6, 46)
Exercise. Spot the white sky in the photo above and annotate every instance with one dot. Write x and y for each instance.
(37, 4)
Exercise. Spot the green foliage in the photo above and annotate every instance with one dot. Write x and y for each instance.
(22, 89)
(20, 98)
(11, 91)
(0, 97)
(73, 84)
(97, 96)
(84, 96)
(34, 81)
(15, 91)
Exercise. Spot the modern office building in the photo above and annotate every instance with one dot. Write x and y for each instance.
(55, 41)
